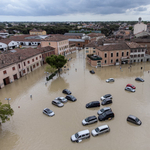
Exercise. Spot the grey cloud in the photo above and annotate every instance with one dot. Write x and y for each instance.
(62, 7)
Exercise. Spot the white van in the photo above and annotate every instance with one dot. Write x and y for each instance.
(79, 136)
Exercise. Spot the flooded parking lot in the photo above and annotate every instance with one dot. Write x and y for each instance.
(30, 129)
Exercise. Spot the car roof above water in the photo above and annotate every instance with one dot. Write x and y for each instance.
(83, 132)
(103, 126)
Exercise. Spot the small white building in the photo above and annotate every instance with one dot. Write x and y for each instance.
(139, 27)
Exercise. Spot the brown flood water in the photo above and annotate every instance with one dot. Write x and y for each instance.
(30, 129)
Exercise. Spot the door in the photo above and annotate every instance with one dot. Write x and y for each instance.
(31, 68)
(15, 77)
(6, 81)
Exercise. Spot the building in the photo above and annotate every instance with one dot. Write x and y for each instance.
(139, 27)
(17, 63)
(37, 32)
(96, 36)
(60, 43)
(4, 34)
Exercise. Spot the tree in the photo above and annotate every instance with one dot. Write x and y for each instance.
(50, 69)
(5, 111)
(56, 61)
(130, 28)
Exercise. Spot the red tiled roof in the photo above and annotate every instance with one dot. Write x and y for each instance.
(134, 45)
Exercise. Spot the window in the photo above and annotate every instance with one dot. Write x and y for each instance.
(93, 47)
(40, 56)
(111, 54)
(24, 71)
(24, 63)
(105, 61)
(49, 43)
(28, 69)
(93, 51)
(28, 62)
(78, 43)
(4, 72)
(105, 55)
(13, 68)
(117, 54)
(33, 66)
(32, 60)
(37, 64)
(19, 66)
(122, 53)
(87, 51)
(36, 58)
(111, 61)
(127, 53)
(116, 60)
(87, 48)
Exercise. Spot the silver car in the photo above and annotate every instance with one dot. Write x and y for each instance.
(110, 80)
(106, 96)
(100, 130)
(61, 99)
(129, 89)
(57, 103)
(48, 112)
(101, 111)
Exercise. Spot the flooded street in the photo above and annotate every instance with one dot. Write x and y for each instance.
(30, 129)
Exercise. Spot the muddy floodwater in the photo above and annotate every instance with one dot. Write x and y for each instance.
(30, 129)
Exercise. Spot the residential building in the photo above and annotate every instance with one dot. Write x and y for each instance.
(4, 34)
(17, 63)
(37, 32)
(96, 36)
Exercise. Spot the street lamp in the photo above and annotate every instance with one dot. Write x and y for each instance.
(8, 99)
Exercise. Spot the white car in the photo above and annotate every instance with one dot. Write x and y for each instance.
(79, 136)
(129, 89)
(106, 96)
(62, 99)
(100, 130)
(110, 80)
(101, 111)
(48, 112)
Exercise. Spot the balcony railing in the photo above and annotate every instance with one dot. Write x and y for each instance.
(94, 57)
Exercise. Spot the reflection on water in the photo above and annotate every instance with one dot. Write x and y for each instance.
(30, 129)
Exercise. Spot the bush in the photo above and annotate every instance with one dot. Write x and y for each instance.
(51, 76)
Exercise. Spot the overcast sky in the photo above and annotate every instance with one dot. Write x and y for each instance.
(74, 10)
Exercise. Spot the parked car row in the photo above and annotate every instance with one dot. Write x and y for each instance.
(58, 101)
(79, 136)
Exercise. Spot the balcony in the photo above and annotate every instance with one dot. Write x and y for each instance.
(125, 58)
(94, 57)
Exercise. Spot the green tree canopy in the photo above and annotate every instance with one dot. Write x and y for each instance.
(5, 112)
(56, 61)
(50, 69)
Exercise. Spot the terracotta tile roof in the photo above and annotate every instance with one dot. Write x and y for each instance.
(6, 41)
(95, 43)
(134, 45)
(121, 46)
(46, 49)
(56, 38)
(10, 58)
(36, 30)
(147, 40)
(92, 35)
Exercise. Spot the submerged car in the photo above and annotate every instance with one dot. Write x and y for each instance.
(106, 96)
(110, 80)
(93, 104)
(104, 110)
(92, 72)
(48, 112)
(130, 85)
(106, 115)
(100, 130)
(106, 101)
(57, 103)
(71, 98)
(129, 89)
(139, 79)
(134, 120)
(66, 91)
(79, 136)
(89, 120)
(62, 99)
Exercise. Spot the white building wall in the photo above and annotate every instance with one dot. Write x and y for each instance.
(3, 46)
(139, 27)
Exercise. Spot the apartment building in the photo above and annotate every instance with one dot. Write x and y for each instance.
(17, 63)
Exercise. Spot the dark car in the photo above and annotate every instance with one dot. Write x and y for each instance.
(134, 120)
(93, 104)
(106, 115)
(139, 79)
(66, 91)
(106, 101)
(92, 72)
(89, 120)
(71, 98)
